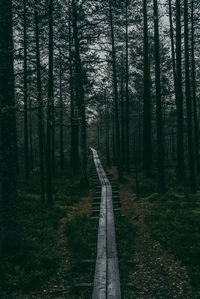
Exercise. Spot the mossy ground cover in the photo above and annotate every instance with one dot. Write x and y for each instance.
(37, 257)
(125, 238)
(81, 233)
(175, 223)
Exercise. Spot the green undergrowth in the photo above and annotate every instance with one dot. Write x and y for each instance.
(175, 223)
(37, 257)
(125, 238)
(81, 232)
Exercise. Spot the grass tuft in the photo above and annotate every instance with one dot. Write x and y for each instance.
(175, 223)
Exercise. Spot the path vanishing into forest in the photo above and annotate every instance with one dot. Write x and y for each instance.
(106, 281)
(155, 272)
(99, 149)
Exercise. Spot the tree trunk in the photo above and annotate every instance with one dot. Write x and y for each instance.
(61, 119)
(194, 97)
(147, 139)
(98, 135)
(179, 98)
(107, 135)
(26, 147)
(192, 174)
(9, 232)
(75, 163)
(172, 44)
(30, 134)
(50, 111)
(127, 94)
(159, 120)
(123, 153)
(118, 152)
(40, 105)
(139, 137)
(80, 98)
(113, 137)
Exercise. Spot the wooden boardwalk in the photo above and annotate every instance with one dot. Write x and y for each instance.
(106, 279)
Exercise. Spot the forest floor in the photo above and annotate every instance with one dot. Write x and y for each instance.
(40, 266)
(157, 273)
(157, 240)
(59, 285)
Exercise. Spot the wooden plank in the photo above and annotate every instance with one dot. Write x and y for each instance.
(116, 202)
(113, 288)
(106, 279)
(96, 210)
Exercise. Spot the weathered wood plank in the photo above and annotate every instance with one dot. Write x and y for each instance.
(106, 280)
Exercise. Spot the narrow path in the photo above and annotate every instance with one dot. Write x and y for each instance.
(106, 279)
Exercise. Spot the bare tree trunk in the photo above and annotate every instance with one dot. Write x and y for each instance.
(9, 229)
(80, 98)
(139, 137)
(61, 118)
(118, 152)
(113, 137)
(30, 134)
(147, 139)
(159, 120)
(122, 120)
(75, 163)
(127, 94)
(172, 44)
(40, 105)
(189, 103)
(179, 98)
(50, 111)
(26, 147)
(107, 135)
(194, 97)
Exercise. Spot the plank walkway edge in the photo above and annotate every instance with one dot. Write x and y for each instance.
(106, 279)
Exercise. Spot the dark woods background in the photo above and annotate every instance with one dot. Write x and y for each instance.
(122, 76)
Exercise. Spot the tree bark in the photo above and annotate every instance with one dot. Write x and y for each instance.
(26, 147)
(40, 104)
(172, 45)
(107, 114)
(61, 118)
(50, 111)
(192, 174)
(159, 119)
(30, 134)
(179, 98)
(123, 132)
(139, 137)
(116, 110)
(75, 161)
(80, 94)
(127, 95)
(194, 97)
(113, 136)
(147, 139)
(9, 229)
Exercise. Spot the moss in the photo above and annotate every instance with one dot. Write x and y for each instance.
(152, 197)
(38, 256)
(175, 223)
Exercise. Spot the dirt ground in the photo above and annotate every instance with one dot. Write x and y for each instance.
(157, 274)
